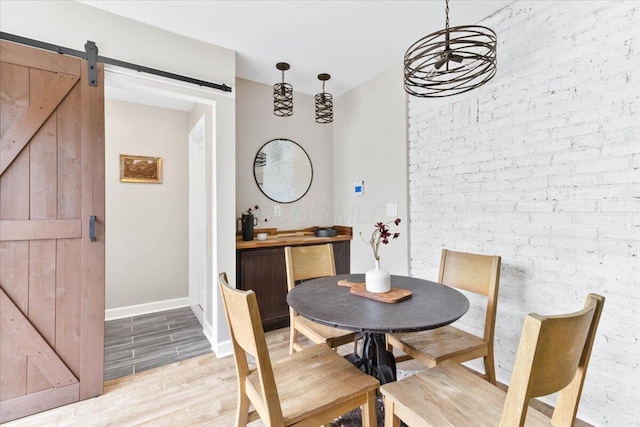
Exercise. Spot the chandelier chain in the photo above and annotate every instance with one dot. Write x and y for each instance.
(446, 10)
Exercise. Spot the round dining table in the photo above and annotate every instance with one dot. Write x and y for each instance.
(430, 306)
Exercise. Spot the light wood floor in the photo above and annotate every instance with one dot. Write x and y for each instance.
(195, 392)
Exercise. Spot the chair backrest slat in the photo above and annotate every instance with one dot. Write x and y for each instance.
(308, 262)
(553, 355)
(475, 273)
(471, 272)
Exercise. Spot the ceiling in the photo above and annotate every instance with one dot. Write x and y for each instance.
(353, 41)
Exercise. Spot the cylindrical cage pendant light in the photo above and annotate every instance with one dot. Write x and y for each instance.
(450, 61)
(282, 94)
(324, 102)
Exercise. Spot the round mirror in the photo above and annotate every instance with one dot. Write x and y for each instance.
(283, 170)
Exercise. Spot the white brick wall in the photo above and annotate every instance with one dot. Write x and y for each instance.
(542, 166)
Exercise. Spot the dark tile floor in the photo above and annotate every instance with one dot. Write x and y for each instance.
(135, 344)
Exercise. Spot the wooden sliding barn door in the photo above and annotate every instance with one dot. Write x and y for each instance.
(51, 273)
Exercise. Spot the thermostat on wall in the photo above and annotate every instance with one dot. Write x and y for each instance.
(358, 188)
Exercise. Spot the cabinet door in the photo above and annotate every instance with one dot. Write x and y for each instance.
(342, 257)
(264, 272)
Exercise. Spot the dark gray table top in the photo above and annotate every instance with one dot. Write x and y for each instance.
(432, 305)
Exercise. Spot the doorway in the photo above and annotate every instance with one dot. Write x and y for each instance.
(190, 229)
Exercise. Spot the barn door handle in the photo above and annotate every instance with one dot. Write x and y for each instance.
(92, 228)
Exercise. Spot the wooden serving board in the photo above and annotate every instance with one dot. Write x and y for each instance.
(391, 297)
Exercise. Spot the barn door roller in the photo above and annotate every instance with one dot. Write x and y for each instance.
(92, 57)
(92, 62)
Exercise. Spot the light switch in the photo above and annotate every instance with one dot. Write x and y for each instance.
(392, 209)
(277, 211)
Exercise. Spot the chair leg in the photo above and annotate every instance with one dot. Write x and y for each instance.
(242, 411)
(293, 338)
(390, 418)
(369, 417)
(490, 368)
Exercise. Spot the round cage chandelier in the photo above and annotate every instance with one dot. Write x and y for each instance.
(324, 102)
(450, 61)
(282, 94)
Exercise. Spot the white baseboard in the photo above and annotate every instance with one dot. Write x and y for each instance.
(197, 310)
(152, 307)
(207, 329)
(223, 349)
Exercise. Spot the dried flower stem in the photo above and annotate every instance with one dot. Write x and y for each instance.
(381, 234)
(252, 211)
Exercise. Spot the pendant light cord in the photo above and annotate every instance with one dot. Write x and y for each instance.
(282, 89)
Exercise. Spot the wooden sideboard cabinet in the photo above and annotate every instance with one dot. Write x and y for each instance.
(263, 270)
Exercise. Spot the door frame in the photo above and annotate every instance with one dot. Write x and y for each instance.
(197, 217)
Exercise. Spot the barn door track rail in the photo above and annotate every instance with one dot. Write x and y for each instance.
(91, 55)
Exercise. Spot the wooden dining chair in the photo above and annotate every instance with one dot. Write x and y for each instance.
(311, 262)
(553, 355)
(472, 272)
(309, 388)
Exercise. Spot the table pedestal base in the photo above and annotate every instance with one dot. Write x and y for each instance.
(374, 359)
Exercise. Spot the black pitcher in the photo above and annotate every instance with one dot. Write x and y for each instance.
(246, 224)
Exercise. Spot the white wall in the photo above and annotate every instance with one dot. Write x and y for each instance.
(71, 24)
(370, 145)
(147, 247)
(542, 166)
(255, 125)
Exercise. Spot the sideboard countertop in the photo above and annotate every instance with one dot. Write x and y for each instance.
(292, 237)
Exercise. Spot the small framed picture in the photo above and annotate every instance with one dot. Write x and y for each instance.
(140, 169)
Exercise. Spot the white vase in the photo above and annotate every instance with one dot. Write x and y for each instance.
(378, 281)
